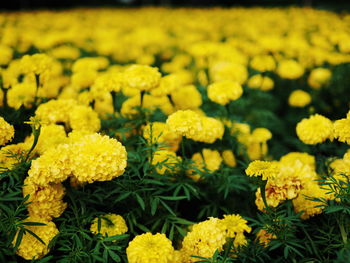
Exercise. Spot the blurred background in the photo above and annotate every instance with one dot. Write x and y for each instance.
(334, 5)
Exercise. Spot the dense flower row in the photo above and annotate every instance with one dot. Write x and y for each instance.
(182, 63)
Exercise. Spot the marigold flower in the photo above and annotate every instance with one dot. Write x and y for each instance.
(212, 130)
(186, 97)
(229, 158)
(259, 82)
(299, 98)
(185, 123)
(262, 168)
(342, 130)
(148, 248)
(6, 131)
(84, 118)
(45, 202)
(225, 91)
(315, 129)
(37, 63)
(319, 77)
(30, 247)
(167, 161)
(235, 226)
(111, 225)
(142, 77)
(290, 69)
(203, 240)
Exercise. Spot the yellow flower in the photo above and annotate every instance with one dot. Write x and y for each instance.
(261, 135)
(299, 98)
(37, 63)
(21, 94)
(142, 77)
(159, 132)
(230, 71)
(342, 130)
(224, 91)
(186, 97)
(262, 168)
(148, 248)
(185, 123)
(167, 85)
(260, 82)
(290, 69)
(11, 154)
(304, 158)
(319, 77)
(55, 111)
(315, 129)
(229, 158)
(210, 159)
(212, 130)
(6, 131)
(263, 63)
(84, 118)
(235, 226)
(96, 157)
(108, 82)
(6, 54)
(30, 247)
(203, 240)
(111, 225)
(166, 160)
(45, 202)
(301, 203)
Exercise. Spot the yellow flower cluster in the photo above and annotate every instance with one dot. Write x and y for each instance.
(110, 225)
(148, 248)
(30, 247)
(299, 98)
(315, 129)
(6, 131)
(224, 91)
(342, 129)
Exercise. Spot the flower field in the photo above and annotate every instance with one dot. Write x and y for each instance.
(159, 135)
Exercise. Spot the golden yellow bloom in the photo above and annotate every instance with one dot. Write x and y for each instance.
(142, 77)
(167, 85)
(213, 130)
(9, 154)
(54, 166)
(261, 135)
(65, 52)
(90, 63)
(148, 248)
(319, 77)
(224, 91)
(21, 94)
(235, 226)
(45, 202)
(209, 159)
(185, 123)
(305, 158)
(6, 131)
(260, 82)
(55, 111)
(37, 64)
(301, 203)
(290, 69)
(111, 226)
(315, 129)
(186, 97)
(203, 240)
(262, 168)
(6, 54)
(108, 82)
(229, 158)
(160, 133)
(342, 130)
(97, 158)
(166, 160)
(30, 247)
(263, 63)
(230, 71)
(299, 98)
(84, 118)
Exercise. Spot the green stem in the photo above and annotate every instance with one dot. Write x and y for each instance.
(263, 193)
(343, 233)
(36, 133)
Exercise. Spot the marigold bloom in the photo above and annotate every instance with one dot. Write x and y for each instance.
(262, 168)
(342, 130)
(213, 130)
(45, 202)
(235, 226)
(299, 98)
(319, 77)
(166, 160)
(315, 129)
(6, 131)
(111, 226)
(259, 82)
(229, 158)
(30, 247)
(21, 94)
(187, 97)
(203, 240)
(37, 63)
(290, 69)
(142, 77)
(148, 248)
(224, 91)
(185, 123)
